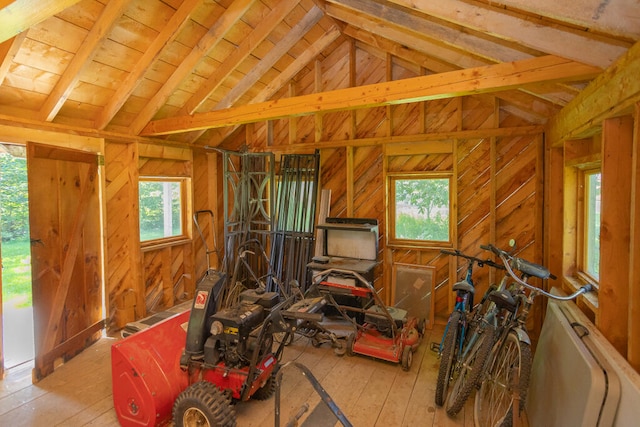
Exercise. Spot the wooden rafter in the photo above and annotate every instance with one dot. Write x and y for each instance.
(372, 43)
(556, 40)
(8, 50)
(128, 85)
(445, 54)
(611, 93)
(257, 36)
(293, 36)
(88, 49)
(486, 79)
(620, 17)
(392, 16)
(19, 15)
(287, 74)
(222, 26)
(537, 106)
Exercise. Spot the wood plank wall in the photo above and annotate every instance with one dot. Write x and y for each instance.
(498, 178)
(141, 281)
(122, 255)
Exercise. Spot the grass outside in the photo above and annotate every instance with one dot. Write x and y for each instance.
(16, 273)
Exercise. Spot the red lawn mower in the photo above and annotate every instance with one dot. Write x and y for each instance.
(193, 366)
(382, 332)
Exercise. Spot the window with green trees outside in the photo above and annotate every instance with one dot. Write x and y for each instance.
(420, 208)
(161, 208)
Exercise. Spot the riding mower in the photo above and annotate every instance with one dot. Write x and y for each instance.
(193, 366)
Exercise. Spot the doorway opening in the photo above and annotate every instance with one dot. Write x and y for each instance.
(17, 308)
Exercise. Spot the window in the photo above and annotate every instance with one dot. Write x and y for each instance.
(419, 208)
(162, 209)
(591, 228)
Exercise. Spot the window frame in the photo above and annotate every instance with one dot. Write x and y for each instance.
(394, 241)
(185, 211)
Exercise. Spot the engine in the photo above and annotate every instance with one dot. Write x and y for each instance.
(235, 331)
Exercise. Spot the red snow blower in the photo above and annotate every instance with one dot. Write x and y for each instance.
(192, 366)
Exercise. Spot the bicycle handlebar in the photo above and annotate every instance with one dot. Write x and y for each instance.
(480, 262)
(532, 269)
(527, 267)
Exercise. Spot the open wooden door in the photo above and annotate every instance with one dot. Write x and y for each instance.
(66, 254)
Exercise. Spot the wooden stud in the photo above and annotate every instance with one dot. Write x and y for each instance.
(614, 230)
(633, 351)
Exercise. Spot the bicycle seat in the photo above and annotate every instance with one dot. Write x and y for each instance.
(503, 299)
(464, 286)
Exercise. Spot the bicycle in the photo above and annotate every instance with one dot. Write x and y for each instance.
(475, 349)
(504, 384)
(460, 318)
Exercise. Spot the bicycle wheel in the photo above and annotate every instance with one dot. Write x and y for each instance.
(470, 370)
(448, 355)
(494, 400)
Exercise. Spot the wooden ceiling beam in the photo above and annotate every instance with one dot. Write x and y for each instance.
(82, 58)
(251, 42)
(487, 79)
(373, 42)
(8, 50)
(620, 18)
(400, 18)
(545, 37)
(445, 57)
(275, 53)
(285, 76)
(611, 93)
(448, 55)
(19, 15)
(151, 53)
(525, 98)
(216, 33)
(298, 64)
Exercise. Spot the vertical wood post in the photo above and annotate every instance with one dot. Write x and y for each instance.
(633, 351)
(617, 141)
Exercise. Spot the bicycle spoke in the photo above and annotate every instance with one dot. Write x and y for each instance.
(494, 401)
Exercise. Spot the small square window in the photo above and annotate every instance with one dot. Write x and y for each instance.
(161, 208)
(420, 209)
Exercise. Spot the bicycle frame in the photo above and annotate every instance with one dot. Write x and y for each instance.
(505, 375)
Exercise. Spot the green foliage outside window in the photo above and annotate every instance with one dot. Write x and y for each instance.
(592, 238)
(422, 209)
(160, 209)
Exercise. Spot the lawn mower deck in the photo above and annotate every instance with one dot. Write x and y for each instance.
(385, 333)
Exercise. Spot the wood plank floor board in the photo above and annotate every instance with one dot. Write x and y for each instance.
(369, 391)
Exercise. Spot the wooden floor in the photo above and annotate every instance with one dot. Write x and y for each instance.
(370, 392)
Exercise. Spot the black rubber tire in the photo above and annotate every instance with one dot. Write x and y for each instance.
(349, 344)
(494, 401)
(470, 371)
(407, 357)
(203, 404)
(267, 390)
(447, 357)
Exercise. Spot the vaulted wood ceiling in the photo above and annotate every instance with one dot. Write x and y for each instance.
(183, 67)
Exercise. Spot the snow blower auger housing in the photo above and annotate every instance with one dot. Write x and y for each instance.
(194, 365)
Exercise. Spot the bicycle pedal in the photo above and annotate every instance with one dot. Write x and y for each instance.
(435, 347)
